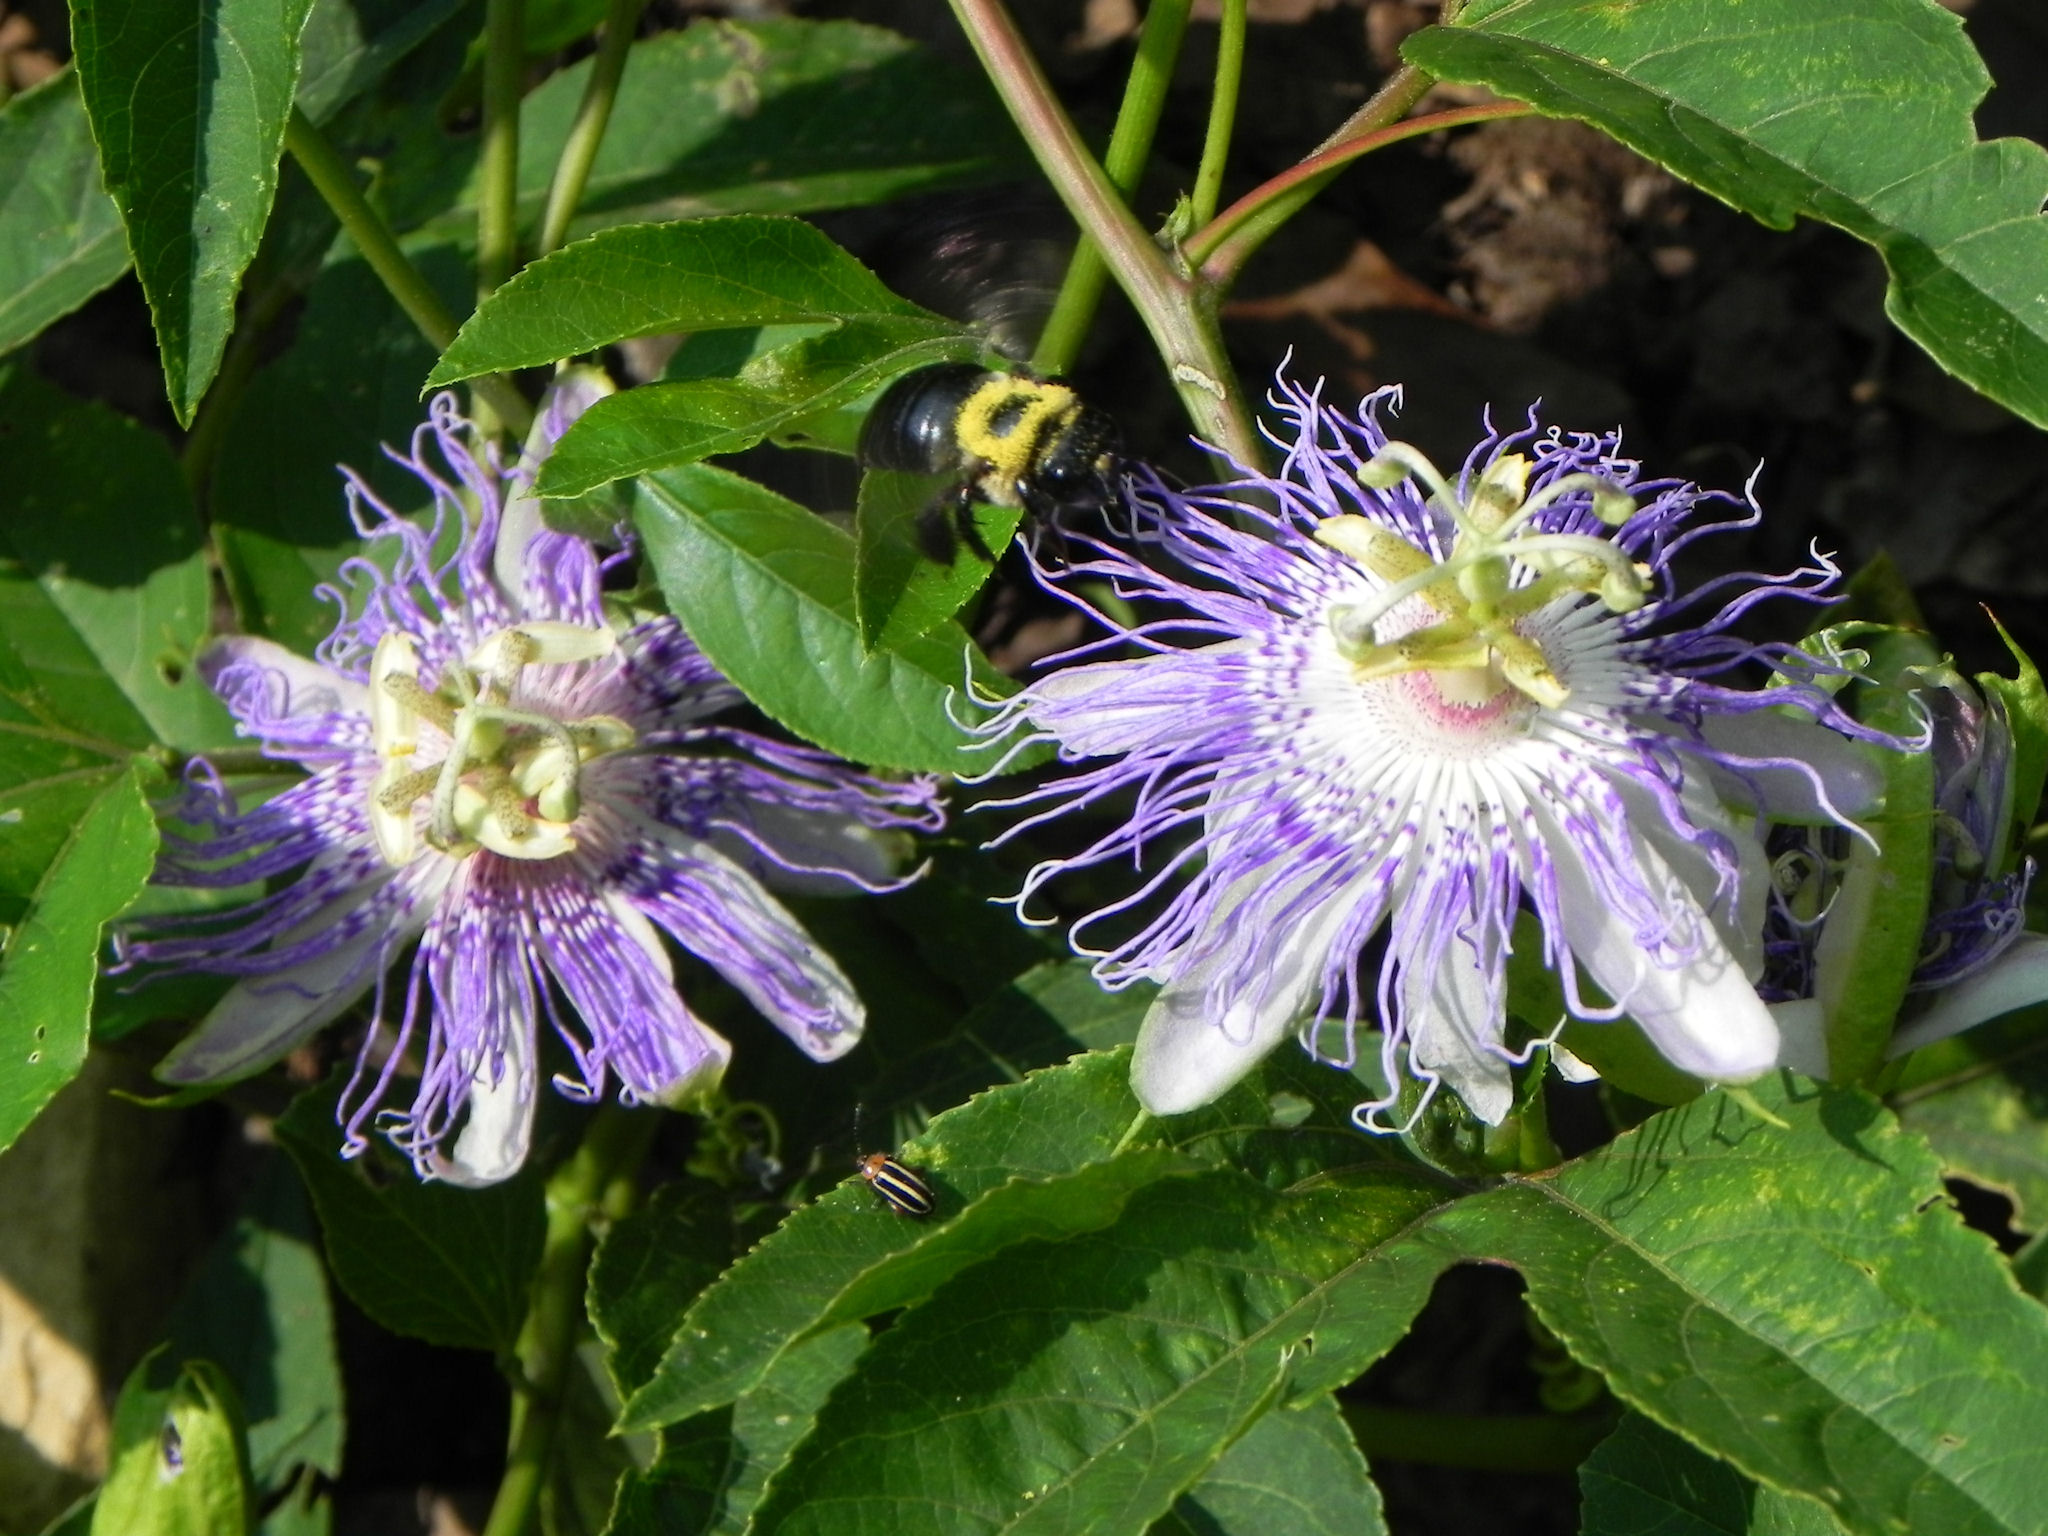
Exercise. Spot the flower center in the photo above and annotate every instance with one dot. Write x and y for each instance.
(1499, 571)
(511, 778)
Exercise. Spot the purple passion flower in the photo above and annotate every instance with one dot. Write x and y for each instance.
(1378, 699)
(532, 794)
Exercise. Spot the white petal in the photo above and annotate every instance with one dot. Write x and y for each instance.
(1739, 920)
(1187, 1056)
(1804, 771)
(310, 689)
(821, 841)
(574, 391)
(1704, 1017)
(2016, 979)
(1570, 1067)
(759, 942)
(1148, 702)
(263, 1017)
(495, 1138)
(1802, 1035)
(1451, 1034)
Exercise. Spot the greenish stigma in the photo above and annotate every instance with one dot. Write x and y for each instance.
(1475, 646)
(511, 779)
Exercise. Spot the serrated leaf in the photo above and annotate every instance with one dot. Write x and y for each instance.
(1022, 1161)
(1295, 1473)
(649, 279)
(767, 115)
(48, 969)
(178, 1466)
(680, 422)
(1052, 1125)
(61, 240)
(188, 103)
(649, 1268)
(712, 1468)
(1857, 113)
(1081, 1385)
(103, 582)
(901, 589)
(451, 1266)
(1645, 1481)
(1802, 1302)
(257, 1307)
(765, 588)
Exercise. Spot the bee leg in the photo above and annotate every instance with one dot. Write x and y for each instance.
(938, 526)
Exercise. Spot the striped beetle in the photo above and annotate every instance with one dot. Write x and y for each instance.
(903, 1189)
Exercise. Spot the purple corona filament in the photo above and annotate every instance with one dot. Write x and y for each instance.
(1360, 696)
(531, 793)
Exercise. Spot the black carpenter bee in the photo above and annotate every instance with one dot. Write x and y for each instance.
(1009, 439)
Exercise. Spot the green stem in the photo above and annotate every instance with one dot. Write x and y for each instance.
(585, 1185)
(1130, 145)
(1504, 1442)
(497, 196)
(579, 151)
(1220, 259)
(1183, 327)
(1223, 246)
(1222, 114)
(334, 179)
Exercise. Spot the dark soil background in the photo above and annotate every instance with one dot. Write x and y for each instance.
(1521, 261)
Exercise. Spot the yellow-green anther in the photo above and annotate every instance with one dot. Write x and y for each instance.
(1473, 648)
(1387, 555)
(1500, 493)
(394, 717)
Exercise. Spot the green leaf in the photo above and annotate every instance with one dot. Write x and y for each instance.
(1979, 1099)
(765, 588)
(103, 581)
(712, 1468)
(103, 852)
(1021, 1140)
(349, 45)
(775, 115)
(1645, 1481)
(1295, 1473)
(1802, 1302)
(1857, 113)
(902, 592)
(661, 425)
(257, 1306)
(1023, 1162)
(179, 1466)
(188, 104)
(451, 1266)
(648, 1270)
(60, 235)
(648, 279)
(1080, 1385)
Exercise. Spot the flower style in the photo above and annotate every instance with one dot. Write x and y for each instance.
(1373, 703)
(498, 773)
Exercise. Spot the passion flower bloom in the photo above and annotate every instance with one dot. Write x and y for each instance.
(1380, 699)
(498, 772)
